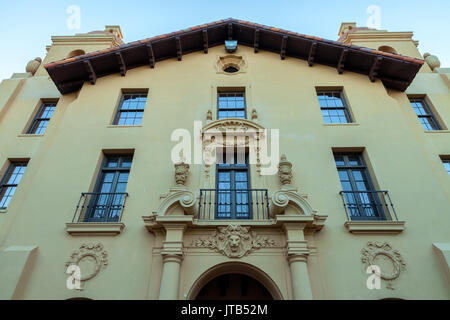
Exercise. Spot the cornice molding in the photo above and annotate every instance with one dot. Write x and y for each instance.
(375, 227)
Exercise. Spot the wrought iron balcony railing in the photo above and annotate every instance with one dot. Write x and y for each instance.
(233, 204)
(368, 205)
(100, 207)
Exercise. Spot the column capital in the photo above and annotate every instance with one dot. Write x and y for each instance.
(297, 247)
(170, 257)
(172, 248)
(297, 258)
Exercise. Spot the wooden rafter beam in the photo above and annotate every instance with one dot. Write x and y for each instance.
(92, 75)
(283, 47)
(312, 53)
(341, 62)
(151, 56)
(256, 41)
(205, 40)
(122, 65)
(179, 51)
(374, 69)
(230, 31)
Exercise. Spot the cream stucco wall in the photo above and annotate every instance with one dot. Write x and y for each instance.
(64, 162)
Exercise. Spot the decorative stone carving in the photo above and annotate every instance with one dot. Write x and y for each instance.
(90, 258)
(232, 125)
(33, 65)
(230, 60)
(234, 241)
(209, 115)
(178, 195)
(432, 61)
(207, 171)
(285, 171)
(254, 115)
(382, 255)
(181, 173)
(284, 197)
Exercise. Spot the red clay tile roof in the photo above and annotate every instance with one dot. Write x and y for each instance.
(218, 29)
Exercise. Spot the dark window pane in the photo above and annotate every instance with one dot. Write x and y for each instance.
(42, 118)
(447, 165)
(131, 109)
(355, 180)
(231, 105)
(334, 109)
(339, 160)
(10, 182)
(424, 113)
(354, 160)
(106, 205)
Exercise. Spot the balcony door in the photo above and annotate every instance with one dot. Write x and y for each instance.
(106, 202)
(233, 185)
(363, 201)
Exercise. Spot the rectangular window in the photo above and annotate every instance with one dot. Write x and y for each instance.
(231, 105)
(446, 163)
(107, 202)
(333, 106)
(424, 114)
(42, 118)
(131, 109)
(233, 186)
(363, 202)
(10, 182)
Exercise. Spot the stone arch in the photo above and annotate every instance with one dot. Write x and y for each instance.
(235, 268)
(233, 132)
(75, 53)
(232, 124)
(387, 49)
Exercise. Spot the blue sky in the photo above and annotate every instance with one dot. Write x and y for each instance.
(26, 26)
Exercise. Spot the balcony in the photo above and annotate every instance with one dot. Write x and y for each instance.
(233, 204)
(370, 212)
(98, 214)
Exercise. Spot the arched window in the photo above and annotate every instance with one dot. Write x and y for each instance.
(231, 69)
(387, 49)
(75, 53)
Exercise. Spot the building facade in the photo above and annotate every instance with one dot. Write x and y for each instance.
(311, 169)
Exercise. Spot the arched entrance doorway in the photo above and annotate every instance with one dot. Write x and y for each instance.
(234, 287)
(234, 280)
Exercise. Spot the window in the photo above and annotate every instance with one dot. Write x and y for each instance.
(75, 53)
(231, 69)
(233, 184)
(42, 118)
(387, 49)
(333, 106)
(10, 182)
(446, 163)
(231, 105)
(106, 203)
(424, 114)
(131, 109)
(363, 202)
